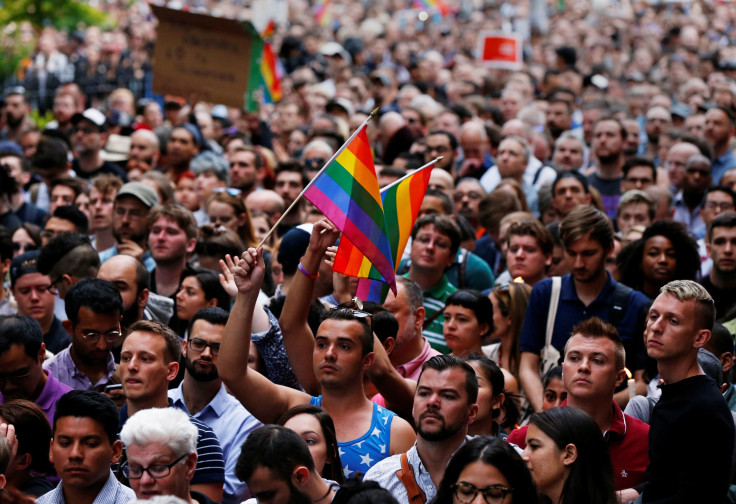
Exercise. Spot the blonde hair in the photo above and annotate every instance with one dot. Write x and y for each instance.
(688, 290)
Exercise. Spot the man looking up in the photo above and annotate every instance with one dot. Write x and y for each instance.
(83, 448)
(132, 203)
(149, 360)
(203, 396)
(31, 292)
(21, 354)
(679, 323)
(592, 369)
(161, 449)
(172, 237)
(587, 235)
(93, 309)
(342, 351)
(444, 406)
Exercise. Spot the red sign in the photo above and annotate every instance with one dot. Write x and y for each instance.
(500, 50)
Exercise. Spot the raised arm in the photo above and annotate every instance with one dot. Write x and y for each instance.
(298, 338)
(396, 391)
(262, 398)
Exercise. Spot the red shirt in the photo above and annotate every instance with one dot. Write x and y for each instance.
(628, 445)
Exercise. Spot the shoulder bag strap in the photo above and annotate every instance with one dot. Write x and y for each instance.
(406, 476)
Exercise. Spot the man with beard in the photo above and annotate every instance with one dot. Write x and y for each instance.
(16, 114)
(22, 352)
(559, 116)
(203, 396)
(172, 237)
(608, 138)
(89, 138)
(444, 406)
(277, 466)
(658, 120)
(182, 146)
(689, 201)
(132, 203)
(132, 280)
(245, 164)
(93, 310)
(587, 235)
(719, 131)
(569, 152)
(144, 151)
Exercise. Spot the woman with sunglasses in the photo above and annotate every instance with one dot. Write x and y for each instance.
(468, 319)
(568, 458)
(25, 238)
(488, 470)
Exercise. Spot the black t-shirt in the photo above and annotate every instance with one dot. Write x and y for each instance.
(723, 298)
(690, 444)
(106, 167)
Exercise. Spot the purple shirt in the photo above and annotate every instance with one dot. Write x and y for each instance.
(63, 366)
(46, 400)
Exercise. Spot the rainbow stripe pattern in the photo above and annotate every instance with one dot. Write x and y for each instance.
(271, 70)
(401, 204)
(347, 193)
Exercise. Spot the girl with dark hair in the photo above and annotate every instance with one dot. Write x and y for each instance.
(568, 458)
(199, 289)
(26, 237)
(490, 397)
(315, 426)
(554, 389)
(468, 319)
(665, 252)
(488, 466)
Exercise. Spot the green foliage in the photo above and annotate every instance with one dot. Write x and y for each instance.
(61, 14)
(42, 120)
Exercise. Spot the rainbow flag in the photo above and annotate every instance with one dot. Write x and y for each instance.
(436, 5)
(401, 203)
(271, 70)
(346, 191)
(322, 12)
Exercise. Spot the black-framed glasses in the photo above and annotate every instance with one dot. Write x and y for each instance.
(155, 471)
(110, 336)
(493, 494)
(52, 288)
(198, 345)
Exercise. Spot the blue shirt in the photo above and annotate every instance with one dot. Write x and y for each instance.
(148, 261)
(231, 423)
(571, 310)
(113, 492)
(722, 164)
(361, 454)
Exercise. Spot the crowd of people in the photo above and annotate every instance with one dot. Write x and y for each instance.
(563, 320)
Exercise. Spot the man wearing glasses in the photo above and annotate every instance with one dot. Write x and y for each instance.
(83, 448)
(161, 445)
(718, 199)
(129, 223)
(21, 376)
(93, 309)
(441, 144)
(89, 138)
(203, 396)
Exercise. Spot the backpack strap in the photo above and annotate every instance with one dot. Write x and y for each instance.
(406, 476)
(620, 297)
(462, 268)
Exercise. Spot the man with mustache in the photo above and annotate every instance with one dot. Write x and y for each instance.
(444, 406)
(203, 396)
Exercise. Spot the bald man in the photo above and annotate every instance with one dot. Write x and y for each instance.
(476, 157)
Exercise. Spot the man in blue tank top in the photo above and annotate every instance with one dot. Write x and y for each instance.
(341, 351)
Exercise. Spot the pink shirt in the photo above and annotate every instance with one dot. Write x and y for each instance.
(411, 369)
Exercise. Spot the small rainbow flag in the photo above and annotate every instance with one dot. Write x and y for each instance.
(346, 191)
(437, 5)
(271, 70)
(401, 203)
(322, 12)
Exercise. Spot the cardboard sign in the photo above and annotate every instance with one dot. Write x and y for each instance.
(500, 50)
(210, 57)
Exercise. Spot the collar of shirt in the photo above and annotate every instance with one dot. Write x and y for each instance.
(439, 289)
(69, 362)
(409, 368)
(48, 395)
(218, 404)
(569, 293)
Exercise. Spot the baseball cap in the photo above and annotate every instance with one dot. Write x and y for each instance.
(92, 115)
(24, 264)
(139, 190)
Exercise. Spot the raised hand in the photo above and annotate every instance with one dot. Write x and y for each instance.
(324, 235)
(226, 277)
(8, 432)
(248, 271)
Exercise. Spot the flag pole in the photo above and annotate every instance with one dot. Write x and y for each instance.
(328, 163)
(396, 182)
